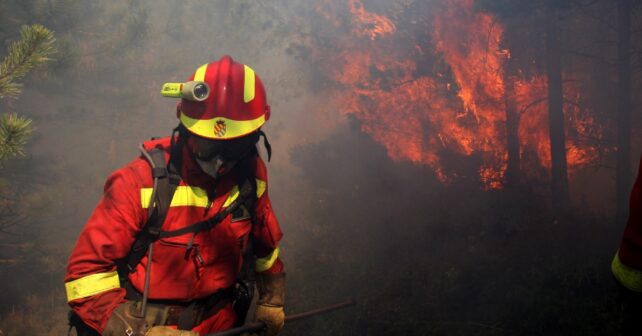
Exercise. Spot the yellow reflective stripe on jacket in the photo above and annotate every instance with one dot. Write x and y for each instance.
(628, 276)
(195, 196)
(234, 194)
(266, 262)
(260, 188)
(184, 196)
(91, 285)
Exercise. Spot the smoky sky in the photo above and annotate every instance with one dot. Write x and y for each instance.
(420, 256)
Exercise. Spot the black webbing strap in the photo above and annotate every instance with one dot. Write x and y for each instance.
(267, 145)
(166, 180)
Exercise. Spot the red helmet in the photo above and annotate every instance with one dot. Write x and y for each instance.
(236, 105)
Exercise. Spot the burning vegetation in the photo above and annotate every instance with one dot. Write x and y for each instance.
(431, 204)
(460, 108)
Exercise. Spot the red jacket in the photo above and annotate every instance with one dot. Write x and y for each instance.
(212, 264)
(627, 264)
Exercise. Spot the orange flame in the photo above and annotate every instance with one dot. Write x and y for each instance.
(423, 118)
(367, 23)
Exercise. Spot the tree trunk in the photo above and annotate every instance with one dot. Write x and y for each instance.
(623, 161)
(559, 178)
(512, 124)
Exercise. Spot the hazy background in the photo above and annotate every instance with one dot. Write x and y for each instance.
(420, 253)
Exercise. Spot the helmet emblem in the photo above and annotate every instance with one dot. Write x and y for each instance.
(220, 128)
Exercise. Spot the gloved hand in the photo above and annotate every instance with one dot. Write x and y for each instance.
(271, 289)
(167, 331)
(123, 321)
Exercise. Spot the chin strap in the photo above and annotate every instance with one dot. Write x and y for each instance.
(266, 143)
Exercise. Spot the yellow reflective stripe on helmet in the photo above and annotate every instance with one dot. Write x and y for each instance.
(221, 128)
(249, 87)
(628, 276)
(199, 76)
(91, 285)
(260, 188)
(184, 196)
(263, 264)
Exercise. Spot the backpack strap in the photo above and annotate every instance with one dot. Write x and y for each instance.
(245, 193)
(166, 180)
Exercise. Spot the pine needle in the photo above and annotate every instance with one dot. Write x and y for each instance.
(34, 49)
(14, 133)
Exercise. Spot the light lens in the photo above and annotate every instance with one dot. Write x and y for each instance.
(201, 91)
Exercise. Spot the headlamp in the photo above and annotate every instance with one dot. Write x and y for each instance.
(193, 90)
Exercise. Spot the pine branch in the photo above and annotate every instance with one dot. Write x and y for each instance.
(34, 49)
(14, 133)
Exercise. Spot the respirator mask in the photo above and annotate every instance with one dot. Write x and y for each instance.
(218, 157)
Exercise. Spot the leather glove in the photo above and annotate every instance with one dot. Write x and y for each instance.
(167, 331)
(124, 321)
(271, 289)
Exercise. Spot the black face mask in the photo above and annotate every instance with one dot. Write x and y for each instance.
(217, 157)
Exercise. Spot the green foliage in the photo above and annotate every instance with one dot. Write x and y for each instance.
(14, 133)
(34, 49)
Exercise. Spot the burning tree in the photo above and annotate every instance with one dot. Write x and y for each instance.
(460, 91)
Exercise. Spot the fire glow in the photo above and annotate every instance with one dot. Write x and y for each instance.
(424, 118)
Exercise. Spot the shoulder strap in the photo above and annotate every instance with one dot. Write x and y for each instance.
(244, 194)
(247, 196)
(166, 180)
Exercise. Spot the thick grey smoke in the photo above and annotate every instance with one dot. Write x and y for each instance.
(421, 257)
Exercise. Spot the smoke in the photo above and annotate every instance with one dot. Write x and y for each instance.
(362, 216)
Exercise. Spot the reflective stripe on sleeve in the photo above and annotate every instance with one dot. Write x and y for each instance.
(91, 285)
(265, 263)
(628, 276)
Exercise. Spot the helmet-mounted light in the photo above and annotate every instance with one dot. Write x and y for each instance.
(193, 90)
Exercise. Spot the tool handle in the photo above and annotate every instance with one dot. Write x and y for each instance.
(258, 326)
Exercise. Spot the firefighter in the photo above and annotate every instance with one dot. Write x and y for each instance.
(144, 265)
(627, 263)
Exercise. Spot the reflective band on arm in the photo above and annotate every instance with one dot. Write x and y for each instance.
(91, 285)
(263, 264)
(628, 276)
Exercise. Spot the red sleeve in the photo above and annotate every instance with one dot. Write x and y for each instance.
(631, 248)
(267, 232)
(107, 236)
